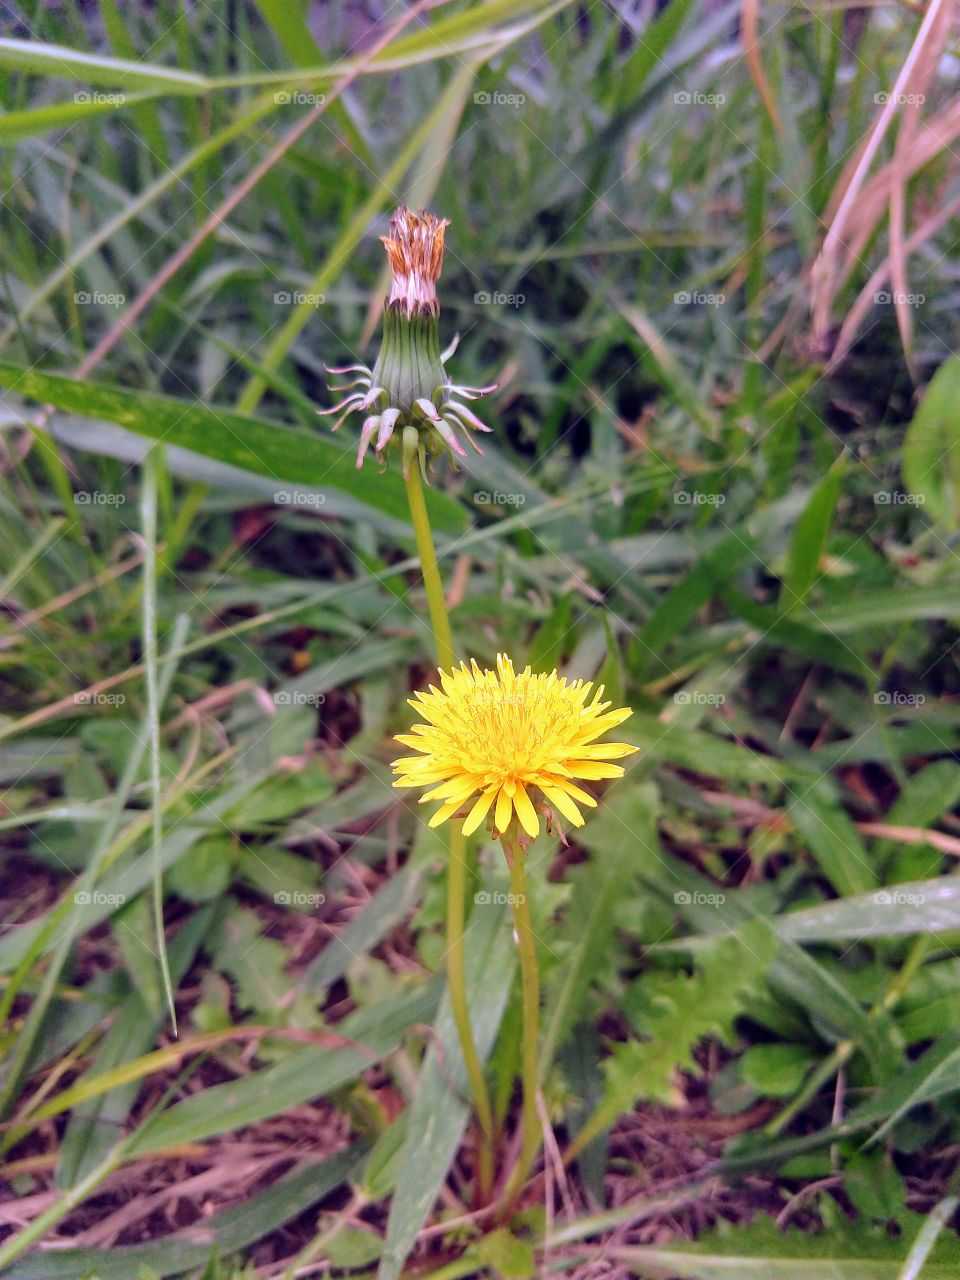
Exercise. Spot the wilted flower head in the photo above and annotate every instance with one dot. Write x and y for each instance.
(415, 250)
(494, 735)
(408, 388)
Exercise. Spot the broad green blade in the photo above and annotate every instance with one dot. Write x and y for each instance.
(295, 459)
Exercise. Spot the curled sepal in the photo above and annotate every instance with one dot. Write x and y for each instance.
(449, 438)
(370, 426)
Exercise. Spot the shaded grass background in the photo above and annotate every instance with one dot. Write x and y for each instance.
(690, 497)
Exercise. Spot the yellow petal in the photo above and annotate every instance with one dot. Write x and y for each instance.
(504, 808)
(594, 769)
(452, 789)
(578, 793)
(478, 812)
(604, 751)
(562, 802)
(444, 812)
(526, 812)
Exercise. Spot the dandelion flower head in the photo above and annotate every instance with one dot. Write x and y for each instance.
(492, 738)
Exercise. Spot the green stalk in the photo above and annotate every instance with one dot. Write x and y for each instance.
(148, 506)
(436, 603)
(530, 980)
(457, 865)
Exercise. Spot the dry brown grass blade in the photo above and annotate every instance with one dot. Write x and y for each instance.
(864, 300)
(858, 202)
(934, 137)
(912, 835)
(750, 35)
(25, 621)
(228, 1177)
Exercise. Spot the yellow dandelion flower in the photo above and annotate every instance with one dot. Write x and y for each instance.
(500, 734)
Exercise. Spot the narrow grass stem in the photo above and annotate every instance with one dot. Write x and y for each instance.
(530, 980)
(457, 862)
(148, 509)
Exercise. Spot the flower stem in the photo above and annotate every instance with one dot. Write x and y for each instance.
(436, 604)
(530, 980)
(457, 864)
(148, 503)
(456, 978)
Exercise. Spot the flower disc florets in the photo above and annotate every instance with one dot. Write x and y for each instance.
(415, 252)
(408, 386)
(494, 735)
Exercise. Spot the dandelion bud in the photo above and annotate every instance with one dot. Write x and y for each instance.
(408, 389)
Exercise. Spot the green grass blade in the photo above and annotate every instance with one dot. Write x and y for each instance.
(931, 449)
(937, 1219)
(148, 508)
(835, 842)
(224, 1233)
(292, 458)
(309, 1073)
(16, 125)
(39, 933)
(809, 539)
(95, 68)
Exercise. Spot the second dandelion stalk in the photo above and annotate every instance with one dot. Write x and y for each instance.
(457, 865)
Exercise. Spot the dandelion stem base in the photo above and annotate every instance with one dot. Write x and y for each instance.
(530, 982)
